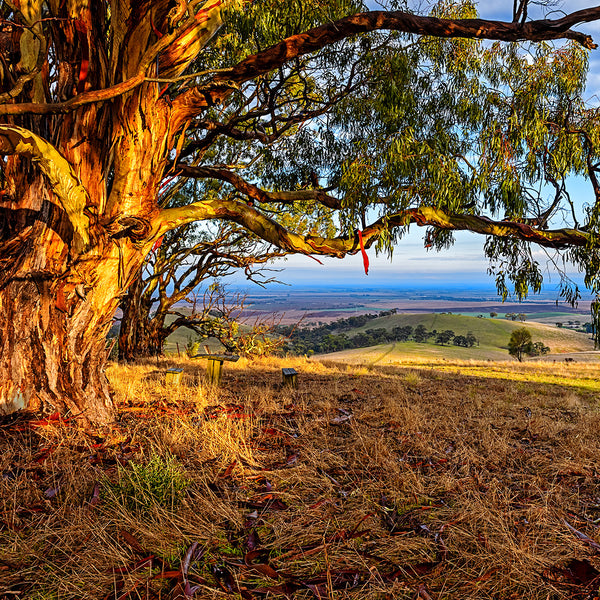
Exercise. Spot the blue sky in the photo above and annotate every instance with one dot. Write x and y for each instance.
(464, 264)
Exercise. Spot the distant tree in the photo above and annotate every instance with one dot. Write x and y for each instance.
(520, 343)
(402, 334)
(522, 317)
(511, 316)
(460, 340)
(539, 349)
(420, 334)
(493, 314)
(471, 339)
(379, 335)
(559, 324)
(361, 340)
(444, 337)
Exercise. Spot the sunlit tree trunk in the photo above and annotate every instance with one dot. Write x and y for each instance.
(68, 252)
(54, 349)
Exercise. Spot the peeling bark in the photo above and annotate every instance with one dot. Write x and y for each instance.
(51, 360)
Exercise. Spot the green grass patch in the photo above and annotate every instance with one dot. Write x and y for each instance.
(140, 488)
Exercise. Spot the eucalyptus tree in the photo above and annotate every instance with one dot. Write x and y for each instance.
(336, 127)
(185, 259)
(520, 343)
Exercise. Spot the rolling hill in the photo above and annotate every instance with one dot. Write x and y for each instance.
(493, 336)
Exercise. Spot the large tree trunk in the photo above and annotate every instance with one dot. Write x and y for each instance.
(53, 352)
(140, 334)
(53, 333)
(57, 304)
(74, 230)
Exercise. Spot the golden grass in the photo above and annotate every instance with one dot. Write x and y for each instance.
(448, 481)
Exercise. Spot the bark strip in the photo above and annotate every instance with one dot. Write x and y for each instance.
(65, 185)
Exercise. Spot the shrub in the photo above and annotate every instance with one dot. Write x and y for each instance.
(140, 488)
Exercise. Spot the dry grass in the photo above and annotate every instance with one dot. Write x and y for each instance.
(366, 483)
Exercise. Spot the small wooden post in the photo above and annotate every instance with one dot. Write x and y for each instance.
(290, 378)
(214, 370)
(173, 377)
(215, 365)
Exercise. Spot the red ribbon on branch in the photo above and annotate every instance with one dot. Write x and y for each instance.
(363, 252)
(157, 244)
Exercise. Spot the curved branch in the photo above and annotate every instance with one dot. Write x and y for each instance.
(310, 41)
(256, 193)
(549, 238)
(63, 181)
(274, 233)
(75, 102)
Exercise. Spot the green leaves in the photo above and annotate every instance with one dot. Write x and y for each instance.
(390, 122)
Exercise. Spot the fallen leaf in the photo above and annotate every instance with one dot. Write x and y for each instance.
(340, 420)
(423, 593)
(52, 492)
(252, 541)
(95, 495)
(44, 454)
(131, 541)
(227, 472)
(577, 572)
(147, 561)
(193, 553)
(267, 502)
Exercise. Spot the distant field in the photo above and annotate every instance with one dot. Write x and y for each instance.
(493, 336)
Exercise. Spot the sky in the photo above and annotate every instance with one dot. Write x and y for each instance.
(464, 265)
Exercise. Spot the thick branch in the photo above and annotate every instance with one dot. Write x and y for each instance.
(63, 181)
(319, 37)
(555, 238)
(75, 102)
(279, 236)
(256, 193)
(175, 50)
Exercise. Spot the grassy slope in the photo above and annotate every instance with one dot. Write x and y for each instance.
(364, 484)
(493, 335)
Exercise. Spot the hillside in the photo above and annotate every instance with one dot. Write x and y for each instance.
(461, 481)
(493, 336)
